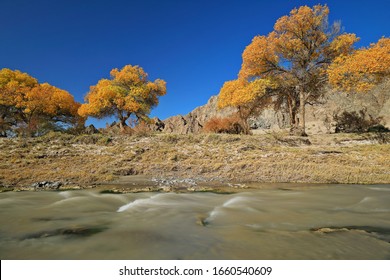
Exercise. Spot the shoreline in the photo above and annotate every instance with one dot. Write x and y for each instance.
(185, 163)
(140, 183)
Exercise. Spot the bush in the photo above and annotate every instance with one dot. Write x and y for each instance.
(141, 130)
(230, 125)
(354, 122)
(378, 128)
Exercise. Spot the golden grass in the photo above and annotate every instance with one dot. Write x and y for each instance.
(89, 160)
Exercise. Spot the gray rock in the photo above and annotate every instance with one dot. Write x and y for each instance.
(196, 119)
(91, 129)
(44, 185)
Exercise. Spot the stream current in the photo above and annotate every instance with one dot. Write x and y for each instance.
(321, 222)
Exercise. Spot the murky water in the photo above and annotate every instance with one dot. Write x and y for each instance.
(325, 222)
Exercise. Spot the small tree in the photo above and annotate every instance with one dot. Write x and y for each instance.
(247, 97)
(128, 93)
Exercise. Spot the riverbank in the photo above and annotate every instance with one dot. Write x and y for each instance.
(202, 162)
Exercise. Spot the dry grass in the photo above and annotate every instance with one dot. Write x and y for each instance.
(89, 160)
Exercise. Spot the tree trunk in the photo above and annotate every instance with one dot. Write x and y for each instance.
(122, 124)
(302, 121)
(123, 116)
(294, 116)
(291, 112)
(243, 121)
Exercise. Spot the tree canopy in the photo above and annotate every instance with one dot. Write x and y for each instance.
(26, 104)
(247, 97)
(361, 70)
(128, 93)
(293, 58)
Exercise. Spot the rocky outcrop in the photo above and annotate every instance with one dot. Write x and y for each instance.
(156, 124)
(375, 104)
(320, 117)
(195, 120)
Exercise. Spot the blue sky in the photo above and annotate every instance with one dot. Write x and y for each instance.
(195, 46)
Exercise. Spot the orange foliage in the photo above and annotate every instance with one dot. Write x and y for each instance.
(259, 56)
(127, 92)
(290, 62)
(14, 86)
(247, 97)
(238, 93)
(364, 68)
(300, 44)
(231, 125)
(24, 100)
(51, 101)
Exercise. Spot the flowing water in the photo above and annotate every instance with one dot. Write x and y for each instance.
(323, 222)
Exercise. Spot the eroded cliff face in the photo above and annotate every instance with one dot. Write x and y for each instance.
(320, 117)
(375, 104)
(194, 121)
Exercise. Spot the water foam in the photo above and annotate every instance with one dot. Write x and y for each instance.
(65, 194)
(155, 200)
(366, 199)
(380, 189)
(235, 203)
(66, 200)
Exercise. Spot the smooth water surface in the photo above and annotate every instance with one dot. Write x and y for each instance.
(324, 222)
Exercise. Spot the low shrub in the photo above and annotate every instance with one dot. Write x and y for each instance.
(142, 130)
(230, 125)
(357, 122)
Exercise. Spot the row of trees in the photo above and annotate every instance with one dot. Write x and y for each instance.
(30, 108)
(287, 69)
(291, 66)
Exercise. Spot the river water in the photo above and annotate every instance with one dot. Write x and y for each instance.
(322, 222)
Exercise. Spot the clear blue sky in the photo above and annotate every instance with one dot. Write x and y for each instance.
(195, 46)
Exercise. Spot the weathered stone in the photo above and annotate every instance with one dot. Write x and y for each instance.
(156, 124)
(195, 120)
(46, 185)
(320, 117)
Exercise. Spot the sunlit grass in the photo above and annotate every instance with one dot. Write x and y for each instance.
(89, 160)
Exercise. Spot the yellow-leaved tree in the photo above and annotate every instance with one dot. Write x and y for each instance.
(27, 106)
(248, 97)
(128, 93)
(362, 69)
(293, 59)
